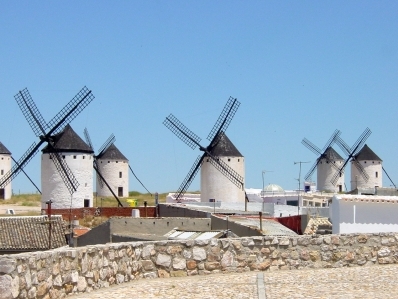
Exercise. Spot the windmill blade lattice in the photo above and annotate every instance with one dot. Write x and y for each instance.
(320, 153)
(182, 132)
(111, 140)
(71, 110)
(227, 171)
(17, 168)
(31, 113)
(63, 169)
(189, 177)
(225, 118)
(351, 152)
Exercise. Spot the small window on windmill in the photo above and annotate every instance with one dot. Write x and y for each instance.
(2, 171)
(74, 157)
(377, 174)
(117, 161)
(120, 174)
(207, 160)
(365, 162)
(63, 156)
(229, 159)
(238, 160)
(84, 157)
(109, 161)
(50, 157)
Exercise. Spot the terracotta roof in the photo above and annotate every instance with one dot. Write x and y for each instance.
(112, 153)
(69, 141)
(31, 233)
(225, 148)
(366, 154)
(4, 150)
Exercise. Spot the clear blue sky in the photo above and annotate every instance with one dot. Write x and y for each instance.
(299, 68)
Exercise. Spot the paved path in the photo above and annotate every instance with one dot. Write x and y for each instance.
(343, 283)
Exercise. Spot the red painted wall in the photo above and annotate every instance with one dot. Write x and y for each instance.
(292, 222)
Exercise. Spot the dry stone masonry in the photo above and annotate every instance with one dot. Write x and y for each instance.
(57, 273)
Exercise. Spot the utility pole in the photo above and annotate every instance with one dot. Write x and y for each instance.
(264, 171)
(299, 179)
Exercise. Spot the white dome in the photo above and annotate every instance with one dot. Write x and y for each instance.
(273, 188)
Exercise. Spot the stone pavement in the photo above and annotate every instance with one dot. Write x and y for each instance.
(356, 282)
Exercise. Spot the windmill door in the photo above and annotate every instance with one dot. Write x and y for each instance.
(120, 191)
(2, 194)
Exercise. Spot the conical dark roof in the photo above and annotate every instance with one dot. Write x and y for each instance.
(331, 154)
(69, 141)
(4, 150)
(366, 154)
(112, 153)
(225, 148)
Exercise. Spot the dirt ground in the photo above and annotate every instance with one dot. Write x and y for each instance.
(19, 209)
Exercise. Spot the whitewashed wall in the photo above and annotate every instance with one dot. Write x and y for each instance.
(371, 168)
(5, 166)
(110, 171)
(54, 188)
(215, 185)
(364, 214)
(325, 174)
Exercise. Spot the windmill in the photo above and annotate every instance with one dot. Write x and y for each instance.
(351, 153)
(45, 131)
(115, 173)
(100, 177)
(216, 136)
(325, 164)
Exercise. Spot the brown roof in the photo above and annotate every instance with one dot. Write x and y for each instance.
(30, 233)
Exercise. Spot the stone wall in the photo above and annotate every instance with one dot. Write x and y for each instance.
(54, 274)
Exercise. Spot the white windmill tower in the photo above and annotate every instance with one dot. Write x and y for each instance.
(214, 187)
(214, 184)
(366, 169)
(79, 157)
(5, 166)
(114, 167)
(327, 163)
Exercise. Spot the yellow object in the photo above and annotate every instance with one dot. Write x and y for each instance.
(132, 202)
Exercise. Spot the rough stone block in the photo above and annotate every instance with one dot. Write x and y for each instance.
(199, 254)
(163, 260)
(7, 266)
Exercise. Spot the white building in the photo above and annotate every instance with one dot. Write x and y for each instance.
(5, 166)
(114, 167)
(79, 157)
(327, 166)
(371, 164)
(214, 185)
(364, 214)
